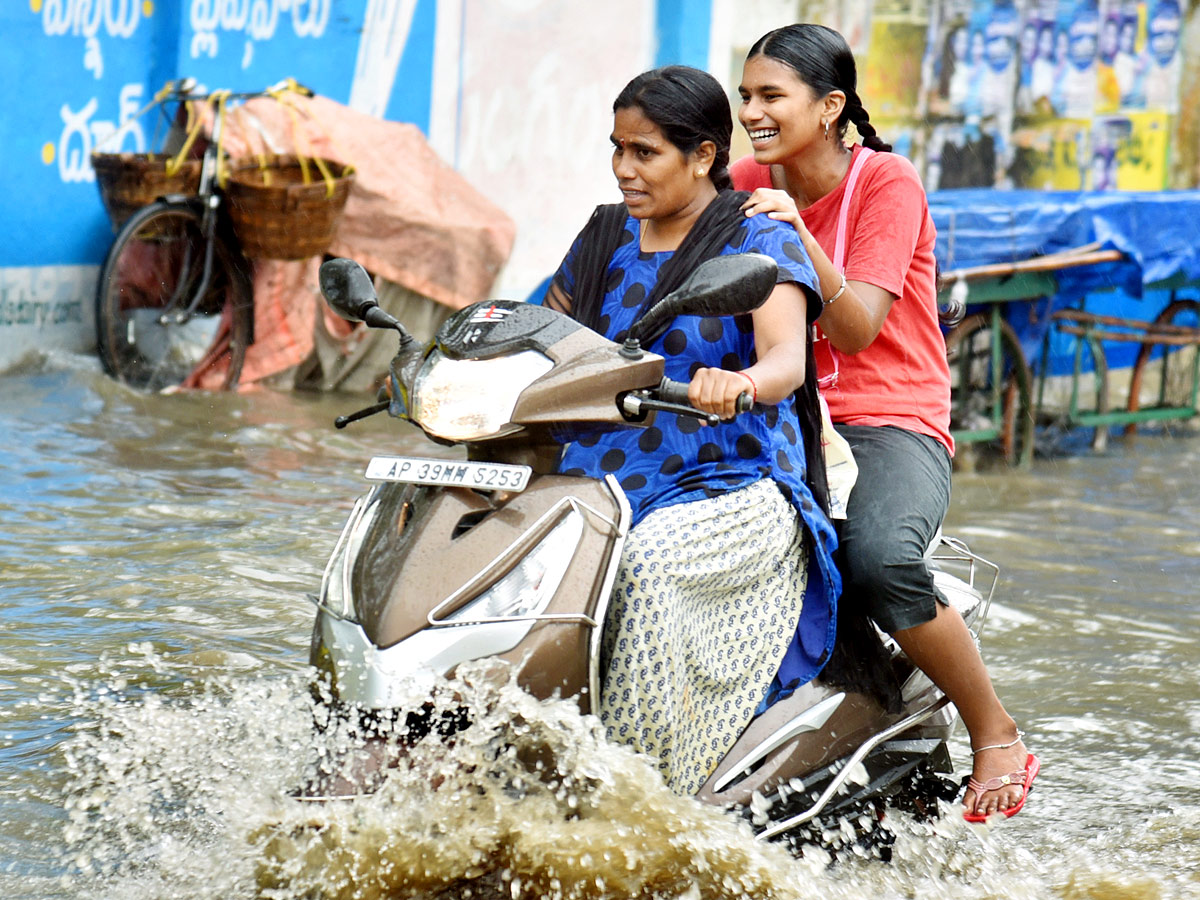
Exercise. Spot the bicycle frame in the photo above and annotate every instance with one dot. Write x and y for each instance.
(208, 195)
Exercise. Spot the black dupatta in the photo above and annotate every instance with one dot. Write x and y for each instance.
(715, 228)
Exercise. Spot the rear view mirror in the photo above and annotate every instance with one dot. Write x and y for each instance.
(724, 286)
(347, 288)
(350, 292)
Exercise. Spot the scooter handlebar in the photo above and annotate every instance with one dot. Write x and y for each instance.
(677, 392)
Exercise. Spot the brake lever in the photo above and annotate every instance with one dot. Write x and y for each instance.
(636, 404)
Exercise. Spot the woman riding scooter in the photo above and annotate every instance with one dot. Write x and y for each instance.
(727, 588)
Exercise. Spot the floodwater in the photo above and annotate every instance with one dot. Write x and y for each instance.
(154, 708)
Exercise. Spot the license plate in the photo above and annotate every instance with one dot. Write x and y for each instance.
(451, 473)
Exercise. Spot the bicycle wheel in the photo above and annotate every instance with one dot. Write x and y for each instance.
(170, 297)
(973, 396)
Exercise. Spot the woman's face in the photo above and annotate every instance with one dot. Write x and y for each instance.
(1046, 43)
(1128, 36)
(1108, 38)
(1029, 37)
(977, 46)
(1061, 45)
(657, 180)
(780, 112)
(958, 44)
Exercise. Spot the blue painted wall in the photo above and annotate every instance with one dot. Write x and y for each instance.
(682, 29)
(71, 71)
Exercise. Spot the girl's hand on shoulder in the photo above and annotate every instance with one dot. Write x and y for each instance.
(717, 391)
(776, 204)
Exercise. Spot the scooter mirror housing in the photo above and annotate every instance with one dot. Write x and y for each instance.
(723, 286)
(350, 292)
(347, 288)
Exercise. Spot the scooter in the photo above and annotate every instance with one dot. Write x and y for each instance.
(495, 555)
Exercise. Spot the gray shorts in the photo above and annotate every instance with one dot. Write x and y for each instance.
(897, 505)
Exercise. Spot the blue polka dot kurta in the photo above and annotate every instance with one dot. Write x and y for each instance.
(678, 460)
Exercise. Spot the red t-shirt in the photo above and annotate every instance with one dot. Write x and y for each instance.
(902, 378)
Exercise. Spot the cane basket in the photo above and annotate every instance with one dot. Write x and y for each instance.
(129, 181)
(277, 215)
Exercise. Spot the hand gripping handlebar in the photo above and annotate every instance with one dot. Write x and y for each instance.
(677, 392)
(672, 396)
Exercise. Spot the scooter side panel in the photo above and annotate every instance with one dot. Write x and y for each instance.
(427, 544)
(855, 718)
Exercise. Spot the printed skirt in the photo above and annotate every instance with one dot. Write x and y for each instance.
(706, 602)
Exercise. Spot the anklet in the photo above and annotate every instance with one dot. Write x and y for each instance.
(1016, 740)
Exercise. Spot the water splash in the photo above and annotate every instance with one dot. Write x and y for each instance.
(528, 801)
(189, 793)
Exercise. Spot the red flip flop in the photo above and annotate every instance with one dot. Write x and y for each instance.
(1023, 778)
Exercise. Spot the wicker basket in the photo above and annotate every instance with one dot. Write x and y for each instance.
(276, 215)
(129, 181)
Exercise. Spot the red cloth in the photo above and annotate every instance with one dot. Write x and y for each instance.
(902, 378)
(410, 219)
(285, 310)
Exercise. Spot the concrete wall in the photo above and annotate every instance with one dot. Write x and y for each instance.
(516, 95)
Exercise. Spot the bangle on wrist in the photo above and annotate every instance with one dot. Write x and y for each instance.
(753, 387)
(841, 290)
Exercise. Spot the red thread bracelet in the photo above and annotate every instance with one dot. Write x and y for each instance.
(753, 387)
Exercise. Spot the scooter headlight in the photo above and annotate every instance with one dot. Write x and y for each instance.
(467, 399)
(337, 597)
(528, 588)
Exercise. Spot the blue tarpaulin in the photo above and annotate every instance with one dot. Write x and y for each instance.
(1159, 233)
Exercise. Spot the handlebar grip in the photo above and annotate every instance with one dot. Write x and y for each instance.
(677, 392)
(673, 392)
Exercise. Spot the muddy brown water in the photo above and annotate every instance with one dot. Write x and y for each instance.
(154, 711)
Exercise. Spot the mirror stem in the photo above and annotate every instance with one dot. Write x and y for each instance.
(376, 317)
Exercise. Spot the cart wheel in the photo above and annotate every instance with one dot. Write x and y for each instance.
(1166, 317)
(972, 403)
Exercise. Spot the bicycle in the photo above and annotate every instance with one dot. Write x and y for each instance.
(175, 275)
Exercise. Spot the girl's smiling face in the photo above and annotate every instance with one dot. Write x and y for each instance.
(780, 112)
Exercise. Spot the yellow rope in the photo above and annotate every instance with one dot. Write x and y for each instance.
(321, 167)
(307, 111)
(158, 98)
(222, 98)
(260, 153)
(293, 109)
(193, 127)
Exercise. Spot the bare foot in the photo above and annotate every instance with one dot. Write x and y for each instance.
(995, 763)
